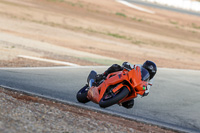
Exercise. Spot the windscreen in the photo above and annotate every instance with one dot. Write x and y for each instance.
(145, 74)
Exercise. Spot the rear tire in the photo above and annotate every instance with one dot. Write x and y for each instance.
(107, 100)
(82, 94)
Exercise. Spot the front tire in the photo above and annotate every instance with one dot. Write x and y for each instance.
(110, 99)
(82, 94)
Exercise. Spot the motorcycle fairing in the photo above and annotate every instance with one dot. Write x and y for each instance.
(131, 79)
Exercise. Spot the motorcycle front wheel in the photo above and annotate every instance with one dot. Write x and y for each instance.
(111, 99)
(81, 96)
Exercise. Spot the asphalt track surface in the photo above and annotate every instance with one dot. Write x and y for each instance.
(153, 5)
(174, 99)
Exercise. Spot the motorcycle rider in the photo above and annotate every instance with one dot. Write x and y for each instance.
(150, 66)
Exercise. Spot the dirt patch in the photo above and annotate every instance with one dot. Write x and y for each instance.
(91, 30)
(105, 122)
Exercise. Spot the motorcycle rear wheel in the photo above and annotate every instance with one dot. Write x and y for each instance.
(82, 94)
(109, 100)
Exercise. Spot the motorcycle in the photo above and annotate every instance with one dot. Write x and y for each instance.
(117, 88)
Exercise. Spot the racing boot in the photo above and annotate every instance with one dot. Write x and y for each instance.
(128, 104)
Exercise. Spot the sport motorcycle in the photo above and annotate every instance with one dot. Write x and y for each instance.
(117, 88)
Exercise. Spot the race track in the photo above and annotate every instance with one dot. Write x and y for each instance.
(174, 99)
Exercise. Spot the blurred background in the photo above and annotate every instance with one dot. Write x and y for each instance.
(193, 5)
(88, 32)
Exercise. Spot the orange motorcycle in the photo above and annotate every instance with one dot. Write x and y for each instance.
(116, 88)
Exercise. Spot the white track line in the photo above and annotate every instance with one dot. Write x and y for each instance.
(48, 60)
(135, 7)
(49, 68)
